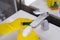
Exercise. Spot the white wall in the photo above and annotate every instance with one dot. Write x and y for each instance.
(28, 2)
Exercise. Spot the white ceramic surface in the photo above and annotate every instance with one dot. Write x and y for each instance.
(52, 34)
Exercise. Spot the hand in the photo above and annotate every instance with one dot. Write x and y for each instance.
(13, 26)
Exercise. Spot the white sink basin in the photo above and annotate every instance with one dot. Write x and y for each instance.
(52, 34)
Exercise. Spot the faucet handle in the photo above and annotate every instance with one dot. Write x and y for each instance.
(38, 12)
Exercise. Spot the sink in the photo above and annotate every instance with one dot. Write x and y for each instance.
(51, 34)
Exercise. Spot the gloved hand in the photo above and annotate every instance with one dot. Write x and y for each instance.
(19, 24)
(15, 25)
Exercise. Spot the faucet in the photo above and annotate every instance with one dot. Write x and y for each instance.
(44, 24)
(40, 20)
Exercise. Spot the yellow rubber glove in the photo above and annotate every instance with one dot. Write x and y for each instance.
(15, 25)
